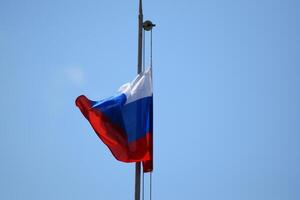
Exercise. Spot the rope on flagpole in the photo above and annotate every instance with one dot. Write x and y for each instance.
(151, 62)
(150, 185)
(151, 59)
(143, 188)
(144, 47)
(147, 25)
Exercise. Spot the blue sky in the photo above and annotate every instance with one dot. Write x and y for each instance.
(226, 83)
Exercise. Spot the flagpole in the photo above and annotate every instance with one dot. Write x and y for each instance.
(139, 70)
(140, 38)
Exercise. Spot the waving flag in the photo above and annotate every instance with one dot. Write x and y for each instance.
(124, 122)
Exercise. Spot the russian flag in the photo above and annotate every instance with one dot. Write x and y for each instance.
(124, 122)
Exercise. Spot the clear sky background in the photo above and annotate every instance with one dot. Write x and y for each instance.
(226, 83)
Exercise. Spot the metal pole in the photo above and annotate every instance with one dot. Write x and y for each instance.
(137, 181)
(139, 70)
(140, 40)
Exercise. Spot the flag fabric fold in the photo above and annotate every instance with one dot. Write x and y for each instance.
(124, 122)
